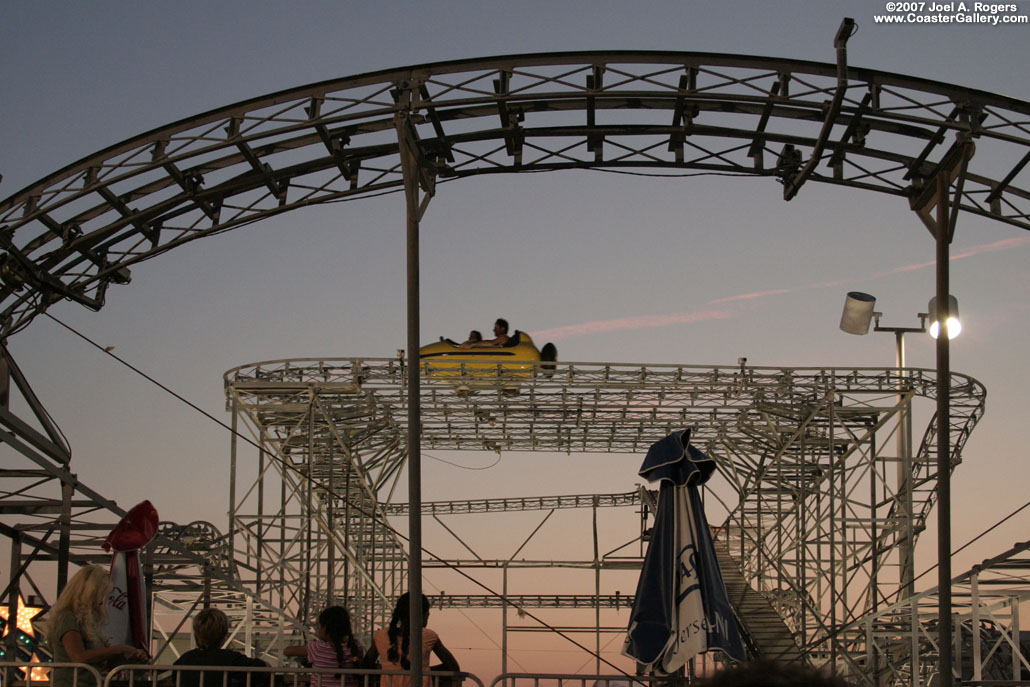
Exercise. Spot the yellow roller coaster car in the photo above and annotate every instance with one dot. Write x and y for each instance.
(516, 358)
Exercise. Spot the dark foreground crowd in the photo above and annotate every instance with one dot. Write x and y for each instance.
(75, 636)
(74, 633)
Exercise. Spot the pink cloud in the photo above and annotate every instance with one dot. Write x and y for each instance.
(1004, 244)
(638, 322)
(753, 295)
(652, 321)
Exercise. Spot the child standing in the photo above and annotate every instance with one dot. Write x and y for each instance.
(336, 647)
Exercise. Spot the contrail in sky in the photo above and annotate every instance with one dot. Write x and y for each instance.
(710, 313)
(639, 322)
(753, 295)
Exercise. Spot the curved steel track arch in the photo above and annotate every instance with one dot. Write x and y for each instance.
(74, 232)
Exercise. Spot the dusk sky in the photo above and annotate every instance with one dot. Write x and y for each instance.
(610, 267)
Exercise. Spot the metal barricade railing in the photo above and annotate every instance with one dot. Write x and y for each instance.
(29, 673)
(168, 675)
(571, 680)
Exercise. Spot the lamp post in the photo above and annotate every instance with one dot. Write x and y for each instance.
(907, 550)
(858, 312)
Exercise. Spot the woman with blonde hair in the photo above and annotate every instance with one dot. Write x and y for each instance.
(75, 633)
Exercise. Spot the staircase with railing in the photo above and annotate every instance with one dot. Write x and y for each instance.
(767, 633)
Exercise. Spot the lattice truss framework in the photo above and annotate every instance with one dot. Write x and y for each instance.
(820, 522)
(900, 639)
(320, 535)
(52, 519)
(80, 229)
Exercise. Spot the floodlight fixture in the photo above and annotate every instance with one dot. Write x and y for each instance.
(857, 316)
(953, 326)
(858, 313)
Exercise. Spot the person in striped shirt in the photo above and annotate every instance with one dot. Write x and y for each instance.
(336, 647)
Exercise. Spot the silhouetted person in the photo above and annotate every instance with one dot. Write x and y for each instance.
(474, 338)
(500, 336)
(390, 647)
(210, 628)
(336, 647)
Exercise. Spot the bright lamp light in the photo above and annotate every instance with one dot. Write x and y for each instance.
(953, 326)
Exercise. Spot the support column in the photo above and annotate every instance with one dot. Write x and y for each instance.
(309, 511)
(831, 484)
(802, 583)
(233, 448)
(330, 505)
(347, 546)
(248, 628)
(942, 226)
(906, 551)
(11, 640)
(597, 593)
(916, 677)
(409, 163)
(1017, 651)
(148, 592)
(974, 619)
(282, 535)
(870, 651)
(943, 438)
(64, 536)
(504, 622)
(262, 528)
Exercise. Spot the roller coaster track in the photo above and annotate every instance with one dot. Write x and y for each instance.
(786, 439)
(783, 437)
(80, 229)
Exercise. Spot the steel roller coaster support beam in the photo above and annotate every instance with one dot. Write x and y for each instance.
(414, 177)
(952, 169)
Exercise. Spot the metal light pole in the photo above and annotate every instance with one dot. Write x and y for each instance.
(857, 315)
(408, 150)
(906, 563)
(943, 241)
(939, 210)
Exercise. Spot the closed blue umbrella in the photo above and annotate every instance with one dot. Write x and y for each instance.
(681, 607)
